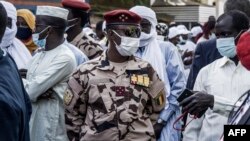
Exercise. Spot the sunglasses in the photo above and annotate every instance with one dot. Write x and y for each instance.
(131, 32)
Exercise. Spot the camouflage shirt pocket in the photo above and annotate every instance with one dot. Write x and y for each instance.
(100, 98)
(137, 102)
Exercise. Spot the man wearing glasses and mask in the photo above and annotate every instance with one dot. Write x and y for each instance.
(219, 84)
(49, 70)
(115, 96)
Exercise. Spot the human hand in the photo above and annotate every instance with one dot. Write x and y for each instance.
(198, 103)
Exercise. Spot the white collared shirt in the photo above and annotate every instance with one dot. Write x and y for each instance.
(227, 82)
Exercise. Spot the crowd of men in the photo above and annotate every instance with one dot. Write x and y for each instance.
(61, 80)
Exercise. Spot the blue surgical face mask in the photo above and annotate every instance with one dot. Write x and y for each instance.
(39, 42)
(226, 46)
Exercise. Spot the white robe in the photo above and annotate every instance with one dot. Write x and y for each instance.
(19, 53)
(49, 69)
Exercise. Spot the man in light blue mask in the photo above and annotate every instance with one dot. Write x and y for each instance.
(39, 38)
(219, 84)
(48, 73)
(228, 35)
(206, 52)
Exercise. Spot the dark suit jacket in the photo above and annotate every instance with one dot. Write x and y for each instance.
(205, 53)
(15, 106)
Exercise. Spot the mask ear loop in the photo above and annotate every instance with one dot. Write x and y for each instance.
(116, 33)
(45, 30)
(238, 36)
(72, 20)
(180, 118)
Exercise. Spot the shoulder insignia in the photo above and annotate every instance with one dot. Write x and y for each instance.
(120, 90)
(67, 98)
(159, 100)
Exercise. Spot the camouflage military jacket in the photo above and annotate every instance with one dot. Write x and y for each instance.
(104, 105)
(89, 47)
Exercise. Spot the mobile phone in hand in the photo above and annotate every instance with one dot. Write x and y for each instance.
(185, 93)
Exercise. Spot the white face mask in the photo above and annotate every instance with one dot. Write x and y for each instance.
(145, 36)
(145, 39)
(9, 35)
(128, 45)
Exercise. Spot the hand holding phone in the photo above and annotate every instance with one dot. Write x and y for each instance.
(197, 103)
(185, 93)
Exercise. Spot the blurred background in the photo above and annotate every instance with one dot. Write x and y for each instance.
(187, 12)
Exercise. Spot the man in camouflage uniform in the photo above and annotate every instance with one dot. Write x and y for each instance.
(115, 96)
(79, 10)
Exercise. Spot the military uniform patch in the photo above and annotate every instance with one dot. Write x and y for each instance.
(140, 80)
(67, 98)
(120, 90)
(159, 100)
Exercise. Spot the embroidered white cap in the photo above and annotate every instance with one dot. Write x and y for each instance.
(52, 11)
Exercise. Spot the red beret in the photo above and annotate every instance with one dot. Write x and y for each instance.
(78, 4)
(122, 17)
(243, 49)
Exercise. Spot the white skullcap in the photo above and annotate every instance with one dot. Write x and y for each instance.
(173, 32)
(183, 30)
(196, 30)
(52, 11)
(145, 13)
(10, 9)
